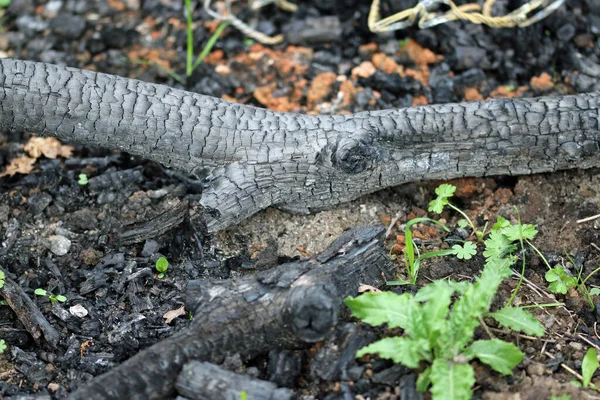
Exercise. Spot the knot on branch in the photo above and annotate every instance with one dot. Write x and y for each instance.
(355, 154)
(313, 310)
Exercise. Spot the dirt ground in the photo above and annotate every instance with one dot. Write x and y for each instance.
(83, 241)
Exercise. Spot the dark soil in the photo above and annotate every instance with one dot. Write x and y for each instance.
(97, 244)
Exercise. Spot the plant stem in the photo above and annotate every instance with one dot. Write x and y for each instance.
(190, 38)
(209, 45)
(590, 275)
(514, 293)
(461, 212)
(539, 253)
(543, 305)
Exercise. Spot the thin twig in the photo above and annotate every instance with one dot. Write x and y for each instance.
(593, 217)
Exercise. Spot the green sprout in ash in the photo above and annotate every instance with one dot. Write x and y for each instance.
(83, 179)
(589, 365)
(2, 346)
(52, 297)
(439, 321)
(2, 278)
(162, 264)
(442, 334)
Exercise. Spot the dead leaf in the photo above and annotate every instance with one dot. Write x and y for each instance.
(19, 165)
(171, 315)
(367, 288)
(48, 146)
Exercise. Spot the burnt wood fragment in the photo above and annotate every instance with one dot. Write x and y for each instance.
(174, 214)
(205, 381)
(286, 307)
(336, 360)
(28, 313)
(252, 158)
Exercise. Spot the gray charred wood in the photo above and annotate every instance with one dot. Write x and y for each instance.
(253, 158)
(205, 381)
(282, 308)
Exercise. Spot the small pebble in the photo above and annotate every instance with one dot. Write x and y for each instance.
(78, 311)
(535, 369)
(59, 245)
(576, 346)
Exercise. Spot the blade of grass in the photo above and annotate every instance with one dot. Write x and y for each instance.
(209, 45)
(169, 71)
(190, 38)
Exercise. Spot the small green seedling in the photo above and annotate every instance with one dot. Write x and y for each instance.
(413, 264)
(243, 395)
(588, 367)
(2, 278)
(444, 192)
(162, 264)
(52, 297)
(440, 332)
(83, 179)
(2, 346)
(560, 282)
(403, 42)
(441, 335)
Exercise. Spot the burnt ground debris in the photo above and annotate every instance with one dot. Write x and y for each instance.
(97, 244)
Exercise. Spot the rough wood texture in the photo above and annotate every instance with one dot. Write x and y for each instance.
(205, 381)
(280, 308)
(253, 158)
(28, 313)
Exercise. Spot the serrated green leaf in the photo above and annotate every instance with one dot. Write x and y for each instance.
(382, 308)
(501, 222)
(466, 251)
(424, 380)
(437, 205)
(560, 281)
(517, 232)
(451, 381)
(400, 350)
(498, 354)
(519, 320)
(497, 245)
(594, 291)
(589, 366)
(437, 298)
(40, 292)
(474, 303)
(445, 190)
(558, 287)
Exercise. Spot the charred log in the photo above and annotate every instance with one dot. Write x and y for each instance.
(286, 307)
(253, 158)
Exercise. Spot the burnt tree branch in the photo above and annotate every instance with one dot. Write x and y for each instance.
(285, 307)
(253, 158)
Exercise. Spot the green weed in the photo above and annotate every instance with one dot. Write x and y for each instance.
(52, 297)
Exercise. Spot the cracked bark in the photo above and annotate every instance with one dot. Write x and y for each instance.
(283, 308)
(253, 158)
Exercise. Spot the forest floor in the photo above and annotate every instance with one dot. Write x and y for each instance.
(84, 241)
